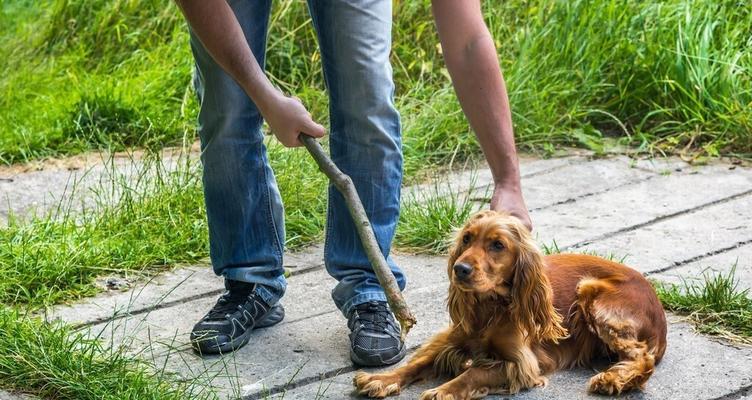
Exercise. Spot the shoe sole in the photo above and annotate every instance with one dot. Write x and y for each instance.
(377, 363)
(273, 317)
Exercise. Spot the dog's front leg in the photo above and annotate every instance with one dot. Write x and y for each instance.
(474, 383)
(520, 371)
(390, 383)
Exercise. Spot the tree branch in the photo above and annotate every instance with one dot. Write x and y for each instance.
(344, 184)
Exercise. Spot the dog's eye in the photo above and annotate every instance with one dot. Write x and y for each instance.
(497, 245)
(466, 238)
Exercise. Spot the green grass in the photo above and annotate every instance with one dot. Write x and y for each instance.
(80, 74)
(158, 221)
(715, 304)
(428, 220)
(53, 361)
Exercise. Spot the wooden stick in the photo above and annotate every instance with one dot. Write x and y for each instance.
(344, 184)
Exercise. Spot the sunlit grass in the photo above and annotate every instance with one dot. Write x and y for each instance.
(659, 76)
(715, 304)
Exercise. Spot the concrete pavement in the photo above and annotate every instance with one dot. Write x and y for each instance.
(669, 220)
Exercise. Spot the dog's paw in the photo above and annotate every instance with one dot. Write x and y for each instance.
(446, 393)
(606, 383)
(541, 382)
(376, 385)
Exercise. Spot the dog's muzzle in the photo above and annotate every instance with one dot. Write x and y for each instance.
(462, 271)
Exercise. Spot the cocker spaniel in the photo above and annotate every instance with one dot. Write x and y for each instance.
(517, 316)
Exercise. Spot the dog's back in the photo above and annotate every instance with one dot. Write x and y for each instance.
(608, 308)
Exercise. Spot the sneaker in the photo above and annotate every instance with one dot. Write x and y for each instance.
(228, 325)
(375, 336)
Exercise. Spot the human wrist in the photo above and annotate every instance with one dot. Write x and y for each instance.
(265, 97)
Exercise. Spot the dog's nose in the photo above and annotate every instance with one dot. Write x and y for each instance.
(462, 270)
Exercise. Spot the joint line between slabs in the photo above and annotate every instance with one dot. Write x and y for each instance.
(168, 304)
(682, 263)
(657, 220)
(294, 384)
(736, 394)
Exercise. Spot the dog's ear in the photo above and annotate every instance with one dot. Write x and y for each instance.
(532, 297)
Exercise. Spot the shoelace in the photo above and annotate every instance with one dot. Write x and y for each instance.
(373, 316)
(227, 304)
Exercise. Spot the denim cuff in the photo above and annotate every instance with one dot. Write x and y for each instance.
(271, 289)
(360, 299)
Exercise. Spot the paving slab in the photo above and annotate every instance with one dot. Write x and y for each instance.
(461, 181)
(311, 340)
(14, 396)
(694, 367)
(631, 206)
(658, 214)
(311, 344)
(75, 186)
(739, 259)
(686, 237)
(166, 289)
(577, 181)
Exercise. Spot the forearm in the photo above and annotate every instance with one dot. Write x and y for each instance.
(482, 93)
(473, 65)
(214, 23)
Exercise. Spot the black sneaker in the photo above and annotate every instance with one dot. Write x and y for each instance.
(375, 336)
(228, 325)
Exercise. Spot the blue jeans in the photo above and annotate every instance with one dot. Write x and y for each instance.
(244, 208)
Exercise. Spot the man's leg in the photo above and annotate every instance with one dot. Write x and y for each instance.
(355, 41)
(243, 205)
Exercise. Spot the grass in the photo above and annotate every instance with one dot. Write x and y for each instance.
(140, 224)
(53, 361)
(157, 220)
(668, 76)
(428, 219)
(716, 305)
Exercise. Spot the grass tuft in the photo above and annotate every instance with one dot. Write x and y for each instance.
(715, 305)
(138, 226)
(427, 221)
(53, 361)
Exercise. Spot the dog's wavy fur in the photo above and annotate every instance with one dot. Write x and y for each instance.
(518, 316)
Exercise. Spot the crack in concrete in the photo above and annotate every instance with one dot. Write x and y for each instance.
(656, 220)
(590, 194)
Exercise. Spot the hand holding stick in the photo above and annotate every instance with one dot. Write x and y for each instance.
(344, 184)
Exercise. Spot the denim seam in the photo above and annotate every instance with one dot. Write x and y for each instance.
(269, 211)
(328, 233)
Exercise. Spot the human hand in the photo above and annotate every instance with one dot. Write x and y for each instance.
(510, 200)
(288, 118)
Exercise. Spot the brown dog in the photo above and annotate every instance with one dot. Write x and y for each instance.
(517, 316)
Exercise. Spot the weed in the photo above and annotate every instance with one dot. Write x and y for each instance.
(716, 304)
(427, 221)
(52, 361)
